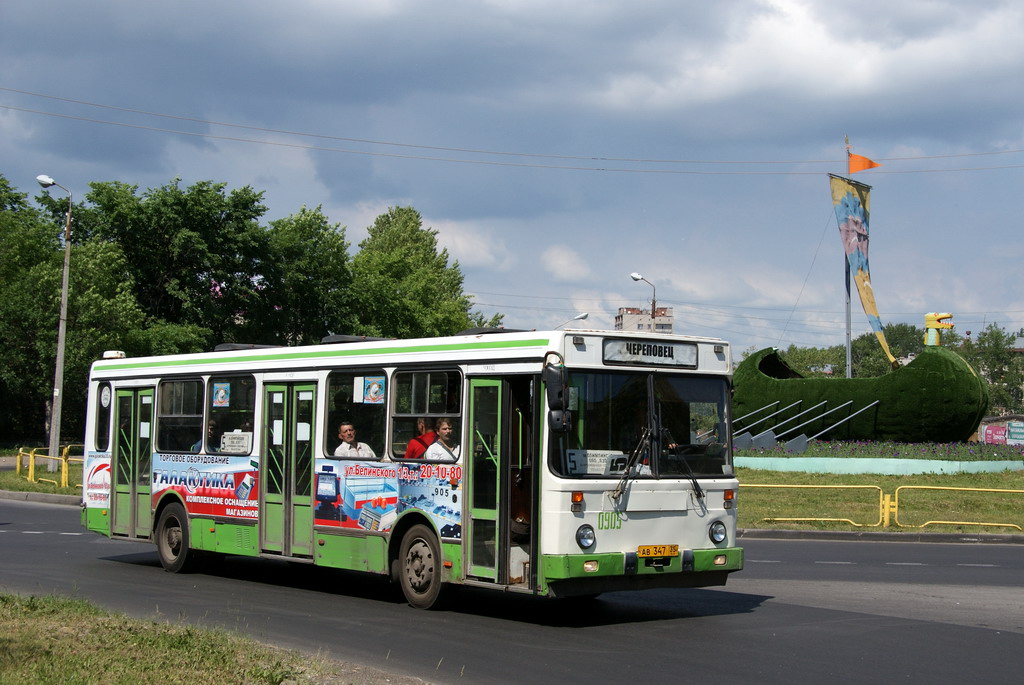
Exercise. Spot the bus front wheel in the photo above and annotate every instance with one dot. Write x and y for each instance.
(420, 567)
(172, 539)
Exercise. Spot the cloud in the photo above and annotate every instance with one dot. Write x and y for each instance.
(473, 246)
(564, 263)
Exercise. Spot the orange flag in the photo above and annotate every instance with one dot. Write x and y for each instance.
(857, 163)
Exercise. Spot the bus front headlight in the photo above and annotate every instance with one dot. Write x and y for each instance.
(585, 536)
(717, 532)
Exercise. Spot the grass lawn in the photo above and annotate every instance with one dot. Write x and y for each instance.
(757, 506)
(67, 641)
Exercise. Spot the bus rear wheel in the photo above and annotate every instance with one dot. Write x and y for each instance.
(419, 570)
(172, 539)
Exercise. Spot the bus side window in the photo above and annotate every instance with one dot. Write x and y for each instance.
(104, 401)
(359, 397)
(180, 416)
(232, 411)
(422, 399)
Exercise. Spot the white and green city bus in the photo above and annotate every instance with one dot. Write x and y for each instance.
(580, 462)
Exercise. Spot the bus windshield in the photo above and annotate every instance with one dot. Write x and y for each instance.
(671, 425)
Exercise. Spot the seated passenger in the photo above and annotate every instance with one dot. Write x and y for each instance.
(424, 439)
(444, 448)
(349, 446)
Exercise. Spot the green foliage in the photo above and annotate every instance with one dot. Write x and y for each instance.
(936, 398)
(179, 269)
(31, 261)
(992, 354)
(404, 285)
(309, 281)
(195, 254)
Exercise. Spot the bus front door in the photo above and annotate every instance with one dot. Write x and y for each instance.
(500, 459)
(286, 472)
(132, 510)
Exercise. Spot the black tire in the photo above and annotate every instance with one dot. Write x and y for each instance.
(172, 540)
(419, 567)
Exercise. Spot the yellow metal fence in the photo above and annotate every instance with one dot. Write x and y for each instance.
(889, 505)
(27, 466)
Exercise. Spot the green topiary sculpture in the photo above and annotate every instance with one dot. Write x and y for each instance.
(935, 398)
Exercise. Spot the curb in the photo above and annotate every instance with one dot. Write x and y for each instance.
(46, 497)
(877, 536)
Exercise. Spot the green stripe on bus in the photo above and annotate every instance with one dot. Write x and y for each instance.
(322, 354)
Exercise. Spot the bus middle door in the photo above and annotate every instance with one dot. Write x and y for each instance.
(287, 469)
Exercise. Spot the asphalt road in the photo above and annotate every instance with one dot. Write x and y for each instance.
(801, 611)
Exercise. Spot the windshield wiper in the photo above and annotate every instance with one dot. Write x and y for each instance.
(697, 490)
(642, 445)
(663, 443)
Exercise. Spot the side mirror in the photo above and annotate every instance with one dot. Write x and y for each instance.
(555, 390)
(554, 386)
(558, 420)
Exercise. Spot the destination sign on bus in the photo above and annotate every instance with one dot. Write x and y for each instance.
(650, 353)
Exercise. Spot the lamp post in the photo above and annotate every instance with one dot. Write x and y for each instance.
(58, 374)
(654, 294)
(579, 317)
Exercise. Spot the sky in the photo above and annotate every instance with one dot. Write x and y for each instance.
(558, 147)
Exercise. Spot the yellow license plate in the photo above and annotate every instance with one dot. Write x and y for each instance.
(657, 551)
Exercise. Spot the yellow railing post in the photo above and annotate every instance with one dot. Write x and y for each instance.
(889, 509)
(64, 466)
(32, 465)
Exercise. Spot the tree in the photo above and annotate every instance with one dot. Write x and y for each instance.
(816, 361)
(992, 355)
(195, 254)
(102, 314)
(868, 358)
(177, 269)
(307, 282)
(404, 286)
(30, 261)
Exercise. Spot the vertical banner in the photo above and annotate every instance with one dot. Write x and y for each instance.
(852, 203)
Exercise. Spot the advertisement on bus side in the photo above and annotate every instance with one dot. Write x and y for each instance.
(96, 480)
(209, 484)
(370, 495)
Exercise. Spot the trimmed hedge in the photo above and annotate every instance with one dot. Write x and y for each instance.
(935, 398)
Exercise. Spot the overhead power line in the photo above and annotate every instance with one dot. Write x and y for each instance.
(473, 151)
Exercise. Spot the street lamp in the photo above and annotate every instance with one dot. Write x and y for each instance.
(654, 294)
(58, 374)
(578, 317)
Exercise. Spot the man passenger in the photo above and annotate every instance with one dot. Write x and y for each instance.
(349, 446)
(424, 439)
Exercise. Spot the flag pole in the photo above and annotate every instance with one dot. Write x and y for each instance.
(849, 314)
(849, 321)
